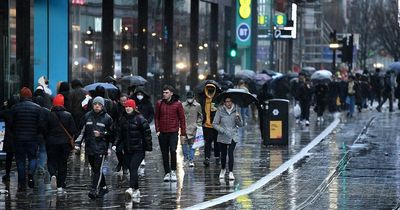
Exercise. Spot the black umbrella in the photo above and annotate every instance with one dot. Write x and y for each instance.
(133, 80)
(200, 87)
(240, 97)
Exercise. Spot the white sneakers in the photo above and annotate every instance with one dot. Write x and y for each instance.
(167, 177)
(53, 182)
(132, 194)
(231, 177)
(191, 164)
(307, 123)
(143, 163)
(222, 174)
(61, 190)
(173, 176)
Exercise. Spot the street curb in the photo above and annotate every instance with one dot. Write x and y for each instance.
(263, 181)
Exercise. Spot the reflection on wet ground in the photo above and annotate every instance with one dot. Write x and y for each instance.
(195, 185)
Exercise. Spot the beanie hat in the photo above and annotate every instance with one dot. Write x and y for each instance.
(58, 100)
(99, 100)
(190, 94)
(25, 93)
(130, 103)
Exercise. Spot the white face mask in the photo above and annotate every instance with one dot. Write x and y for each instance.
(190, 101)
(140, 97)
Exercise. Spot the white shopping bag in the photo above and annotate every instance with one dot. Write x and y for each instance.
(296, 110)
(199, 139)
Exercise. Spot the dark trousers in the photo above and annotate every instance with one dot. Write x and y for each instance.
(98, 179)
(321, 105)
(387, 96)
(227, 148)
(305, 110)
(133, 160)
(9, 158)
(22, 151)
(120, 157)
(168, 143)
(210, 136)
(57, 159)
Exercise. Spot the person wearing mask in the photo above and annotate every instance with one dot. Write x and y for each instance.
(227, 121)
(26, 122)
(60, 128)
(194, 119)
(169, 119)
(97, 135)
(8, 141)
(135, 135)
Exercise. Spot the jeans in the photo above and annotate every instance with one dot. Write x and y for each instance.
(351, 103)
(98, 179)
(42, 155)
(168, 144)
(133, 160)
(22, 151)
(227, 148)
(57, 162)
(188, 151)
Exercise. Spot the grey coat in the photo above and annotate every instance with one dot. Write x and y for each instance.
(193, 117)
(227, 125)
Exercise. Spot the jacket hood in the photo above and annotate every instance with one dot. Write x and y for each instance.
(141, 90)
(210, 90)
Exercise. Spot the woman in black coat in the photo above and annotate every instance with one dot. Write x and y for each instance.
(8, 145)
(58, 143)
(135, 134)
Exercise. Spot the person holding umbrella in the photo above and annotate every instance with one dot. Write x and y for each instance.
(227, 120)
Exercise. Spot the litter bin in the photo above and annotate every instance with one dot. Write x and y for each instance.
(276, 122)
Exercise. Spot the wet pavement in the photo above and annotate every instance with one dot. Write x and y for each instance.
(335, 174)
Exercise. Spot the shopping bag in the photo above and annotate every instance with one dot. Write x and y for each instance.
(296, 110)
(199, 139)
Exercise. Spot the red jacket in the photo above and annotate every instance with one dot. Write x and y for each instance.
(170, 116)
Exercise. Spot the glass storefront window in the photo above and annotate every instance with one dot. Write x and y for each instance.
(85, 53)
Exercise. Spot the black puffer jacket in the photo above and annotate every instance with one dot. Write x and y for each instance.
(26, 121)
(134, 133)
(76, 96)
(55, 133)
(101, 122)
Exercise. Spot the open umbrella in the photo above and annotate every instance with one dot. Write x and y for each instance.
(261, 79)
(133, 80)
(240, 97)
(107, 86)
(321, 76)
(200, 87)
(395, 67)
(245, 74)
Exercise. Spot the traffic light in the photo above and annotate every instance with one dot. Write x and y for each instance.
(233, 50)
(347, 49)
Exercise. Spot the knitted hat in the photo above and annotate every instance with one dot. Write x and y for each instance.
(58, 100)
(25, 93)
(130, 103)
(99, 100)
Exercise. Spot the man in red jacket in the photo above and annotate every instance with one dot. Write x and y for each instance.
(169, 118)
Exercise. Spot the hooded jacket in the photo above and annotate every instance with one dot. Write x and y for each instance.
(144, 106)
(170, 116)
(101, 122)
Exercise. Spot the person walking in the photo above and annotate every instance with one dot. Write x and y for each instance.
(76, 96)
(304, 95)
(118, 145)
(8, 142)
(321, 91)
(388, 90)
(169, 119)
(227, 120)
(97, 135)
(60, 128)
(135, 135)
(26, 123)
(351, 95)
(194, 119)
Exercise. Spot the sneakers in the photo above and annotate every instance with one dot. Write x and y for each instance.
(6, 178)
(207, 162)
(191, 164)
(143, 163)
(53, 182)
(307, 123)
(129, 193)
(125, 171)
(61, 190)
(136, 194)
(103, 191)
(222, 174)
(167, 177)
(92, 194)
(173, 176)
(231, 177)
(31, 183)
